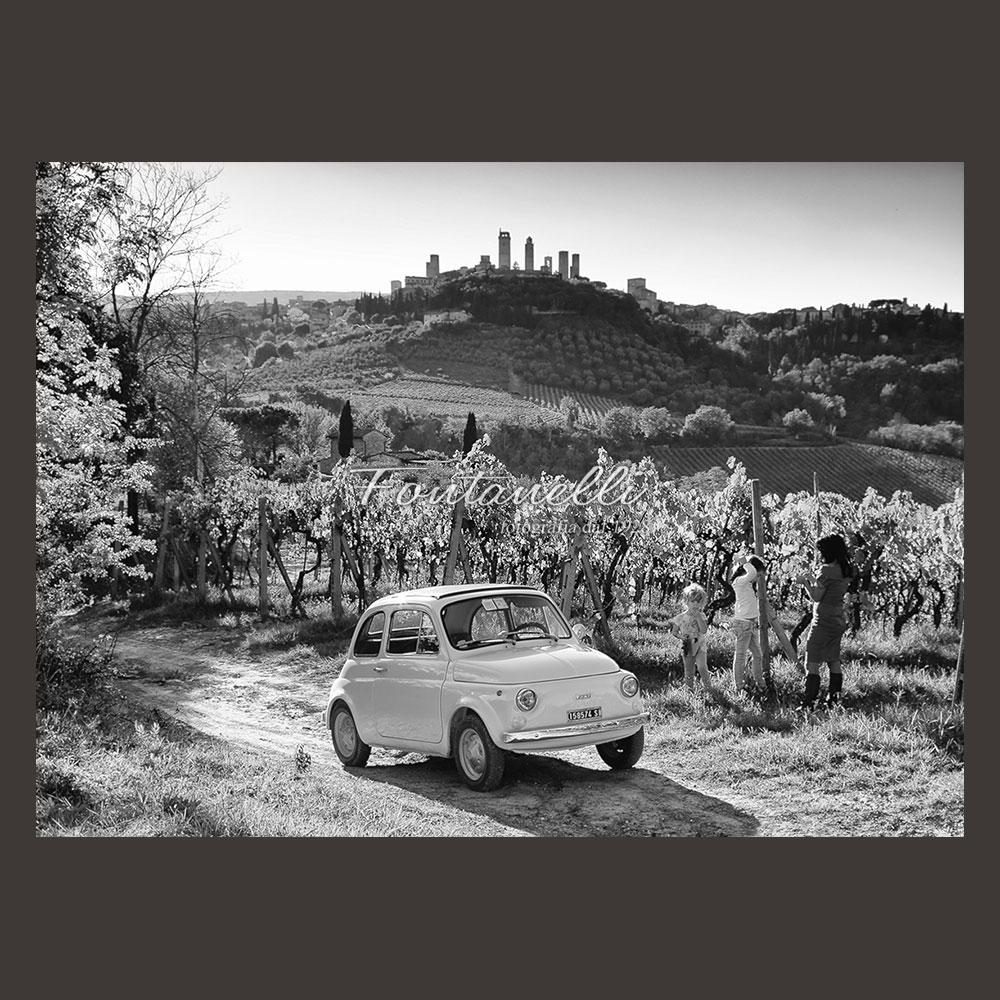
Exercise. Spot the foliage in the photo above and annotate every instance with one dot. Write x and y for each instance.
(191, 442)
(82, 449)
(621, 425)
(470, 435)
(708, 423)
(942, 438)
(798, 420)
(345, 442)
(657, 424)
(263, 430)
(570, 409)
(264, 350)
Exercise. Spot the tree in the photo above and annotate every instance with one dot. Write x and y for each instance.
(570, 409)
(263, 431)
(657, 423)
(621, 425)
(346, 441)
(470, 435)
(275, 312)
(82, 467)
(264, 351)
(707, 423)
(156, 223)
(186, 390)
(797, 420)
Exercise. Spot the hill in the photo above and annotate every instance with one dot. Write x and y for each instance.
(848, 468)
(510, 346)
(284, 296)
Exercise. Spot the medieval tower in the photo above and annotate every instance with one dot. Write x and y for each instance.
(529, 255)
(574, 270)
(504, 264)
(564, 264)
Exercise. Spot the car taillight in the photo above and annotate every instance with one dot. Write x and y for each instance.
(526, 699)
(629, 686)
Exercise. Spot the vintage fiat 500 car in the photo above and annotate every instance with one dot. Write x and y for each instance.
(476, 672)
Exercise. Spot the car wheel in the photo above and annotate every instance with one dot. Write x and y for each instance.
(479, 760)
(620, 754)
(351, 749)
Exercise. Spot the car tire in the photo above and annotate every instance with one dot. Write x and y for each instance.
(350, 748)
(479, 761)
(620, 754)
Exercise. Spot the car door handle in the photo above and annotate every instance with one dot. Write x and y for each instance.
(379, 670)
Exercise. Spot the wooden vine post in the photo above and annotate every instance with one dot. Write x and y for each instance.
(816, 498)
(456, 547)
(336, 565)
(579, 556)
(762, 603)
(340, 552)
(959, 692)
(262, 557)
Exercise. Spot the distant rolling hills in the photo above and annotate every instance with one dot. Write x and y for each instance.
(284, 296)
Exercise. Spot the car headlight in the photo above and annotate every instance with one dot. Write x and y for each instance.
(526, 699)
(630, 686)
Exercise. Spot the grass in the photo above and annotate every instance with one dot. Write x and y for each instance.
(888, 761)
(135, 776)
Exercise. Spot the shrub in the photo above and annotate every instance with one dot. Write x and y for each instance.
(942, 438)
(264, 351)
(287, 350)
(63, 670)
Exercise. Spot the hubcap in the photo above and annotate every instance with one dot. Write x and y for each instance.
(346, 736)
(473, 753)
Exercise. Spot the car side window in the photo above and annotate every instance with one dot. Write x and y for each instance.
(369, 640)
(412, 631)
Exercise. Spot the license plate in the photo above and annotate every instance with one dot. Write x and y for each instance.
(584, 713)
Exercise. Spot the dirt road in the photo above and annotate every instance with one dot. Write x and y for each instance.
(197, 677)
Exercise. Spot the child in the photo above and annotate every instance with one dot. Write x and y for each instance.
(744, 621)
(690, 627)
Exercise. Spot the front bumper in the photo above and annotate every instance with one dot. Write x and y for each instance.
(598, 726)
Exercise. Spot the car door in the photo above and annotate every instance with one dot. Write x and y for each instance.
(367, 654)
(408, 691)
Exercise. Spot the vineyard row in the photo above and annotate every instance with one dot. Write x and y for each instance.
(645, 537)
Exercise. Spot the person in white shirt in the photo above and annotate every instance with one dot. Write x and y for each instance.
(744, 622)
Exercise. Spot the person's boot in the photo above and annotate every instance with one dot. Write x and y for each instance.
(811, 690)
(836, 683)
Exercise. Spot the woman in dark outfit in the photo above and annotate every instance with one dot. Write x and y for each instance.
(827, 590)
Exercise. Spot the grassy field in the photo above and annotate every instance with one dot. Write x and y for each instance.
(114, 758)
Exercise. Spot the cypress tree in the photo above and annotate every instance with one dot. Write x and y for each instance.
(274, 307)
(469, 438)
(346, 441)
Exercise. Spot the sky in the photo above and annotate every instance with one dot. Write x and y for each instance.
(749, 237)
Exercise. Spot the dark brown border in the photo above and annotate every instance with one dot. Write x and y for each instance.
(566, 84)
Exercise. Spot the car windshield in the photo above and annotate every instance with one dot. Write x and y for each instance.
(502, 617)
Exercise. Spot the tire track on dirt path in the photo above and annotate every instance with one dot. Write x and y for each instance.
(202, 679)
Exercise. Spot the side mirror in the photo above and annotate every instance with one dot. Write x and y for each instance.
(583, 634)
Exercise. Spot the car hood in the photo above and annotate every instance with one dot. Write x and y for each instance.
(524, 664)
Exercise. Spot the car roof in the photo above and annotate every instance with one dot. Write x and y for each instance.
(455, 590)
